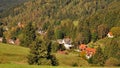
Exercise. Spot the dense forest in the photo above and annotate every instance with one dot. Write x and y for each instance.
(5, 4)
(83, 21)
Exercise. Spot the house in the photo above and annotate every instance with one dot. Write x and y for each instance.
(20, 25)
(40, 31)
(66, 42)
(1, 39)
(82, 47)
(17, 41)
(89, 51)
(110, 35)
(60, 41)
(11, 41)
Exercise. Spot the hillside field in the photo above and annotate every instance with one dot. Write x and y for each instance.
(12, 56)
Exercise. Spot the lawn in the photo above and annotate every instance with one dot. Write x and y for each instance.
(28, 66)
(13, 54)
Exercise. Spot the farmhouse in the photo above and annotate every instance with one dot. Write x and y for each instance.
(66, 42)
(89, 51)
(110, 35)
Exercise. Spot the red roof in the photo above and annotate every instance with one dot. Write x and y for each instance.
(82, 46)
(110, 33)
(90, 50)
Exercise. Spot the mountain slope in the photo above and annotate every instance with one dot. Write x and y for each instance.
(13, 54)
(5, 4)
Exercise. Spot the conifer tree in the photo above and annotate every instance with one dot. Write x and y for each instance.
(29, 35)
(40, 53)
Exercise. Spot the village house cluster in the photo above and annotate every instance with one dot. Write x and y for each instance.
(88, 51)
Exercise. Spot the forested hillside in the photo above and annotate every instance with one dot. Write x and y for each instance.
(39, 23)
(4, 4)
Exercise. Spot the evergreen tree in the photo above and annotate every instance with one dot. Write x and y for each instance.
(52, 57)
(1, 31)
(94, 36)
(58, 33)
(102, 30)
(29, 35)
(4, 40)
(40, 53)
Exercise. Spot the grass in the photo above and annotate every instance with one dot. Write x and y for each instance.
(71, 59)
(28, 66)
(16, 56)
(13, 54)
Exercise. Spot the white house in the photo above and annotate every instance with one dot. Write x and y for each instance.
(110, 35)
(66, 42)
(11, 41)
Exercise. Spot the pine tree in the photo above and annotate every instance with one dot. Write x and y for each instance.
(4, 40)
(40, 53)
(29, 35)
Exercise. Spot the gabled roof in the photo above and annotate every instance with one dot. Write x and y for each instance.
(90, 50)
(82, 46)
(110, 33)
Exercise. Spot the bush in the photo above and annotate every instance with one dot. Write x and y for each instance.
(44, 61)
(112, 62)
(75, 64)
(115, 31)
(54, 60)
(54, 47)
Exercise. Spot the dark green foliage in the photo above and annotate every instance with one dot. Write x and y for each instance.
(59, 34)
(102, 31)
(87, 36)
(54, 47)
(54, 60)
(1, 31)
(29, 35)
(40, 53)
(61, 47)
(46, 26)
(98, 58)
(74, 64)
(1, 23)
(94, 37)
(50, 34)
(4, 40)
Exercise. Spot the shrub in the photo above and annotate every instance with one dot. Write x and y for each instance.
(54, 60)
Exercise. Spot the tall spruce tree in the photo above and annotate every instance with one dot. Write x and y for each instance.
(29, 35)
(40, 53)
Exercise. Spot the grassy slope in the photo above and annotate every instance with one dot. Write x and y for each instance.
(13, 54)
